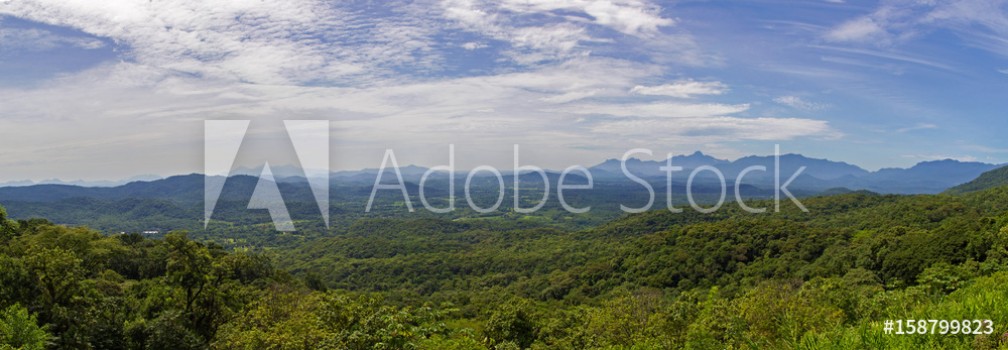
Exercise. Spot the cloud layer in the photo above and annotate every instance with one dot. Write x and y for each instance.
(583, 79)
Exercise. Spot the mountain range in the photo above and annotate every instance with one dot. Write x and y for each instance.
(176, 202)
(819, 175)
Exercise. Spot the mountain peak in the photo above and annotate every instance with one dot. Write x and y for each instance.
(949, 162)
(696, 159)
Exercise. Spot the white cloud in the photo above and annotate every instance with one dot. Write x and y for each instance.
(917, 127)
(1003, 71)
(989, 14)
(270, 42)
(345, 43)
(628, 17)
(546, 43)
(662, 109)
(859, 29)
(472, 45)
(799, 103)
(889, 55)
(312, 41)
(42, 40)
(891, 22)
(683, 89)
(981, 23)
(554, 30)
(118, 117)
(552, 83)
(570, 96)
(718, 129)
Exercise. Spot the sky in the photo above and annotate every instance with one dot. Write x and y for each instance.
(100, 90)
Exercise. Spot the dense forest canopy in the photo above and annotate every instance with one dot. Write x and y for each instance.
(823, 279)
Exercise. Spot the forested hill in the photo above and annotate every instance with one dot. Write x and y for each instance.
(990, 179)
(823, 279)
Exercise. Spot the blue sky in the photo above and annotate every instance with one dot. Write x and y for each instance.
(113, 89)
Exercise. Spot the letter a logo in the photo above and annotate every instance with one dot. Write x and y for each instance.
(222, 141)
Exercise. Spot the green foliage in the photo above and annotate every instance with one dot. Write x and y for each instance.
(167, 331)
(655, 280)
(510, 326)
(285, 319)
(7, 227)
(20, 330)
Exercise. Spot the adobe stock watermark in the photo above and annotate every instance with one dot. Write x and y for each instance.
(389, 162)
(310, 142)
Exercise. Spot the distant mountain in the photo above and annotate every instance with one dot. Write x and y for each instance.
(281, 173)
(925, 177)
(819, 174)
(182, 188)
(17, 183)
(410, 173)
(167, 204)
(82, 183)
(994, 178)
(818, 168)
(612, 168)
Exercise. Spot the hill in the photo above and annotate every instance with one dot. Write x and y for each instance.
(994, 178)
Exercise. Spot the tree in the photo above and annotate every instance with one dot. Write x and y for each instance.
(15, 282)
(166, 332)
(8, 228)
(189, 266)
(511, 323)
(280, 320)
(192, 267)
(57, 273)
(20, 330)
